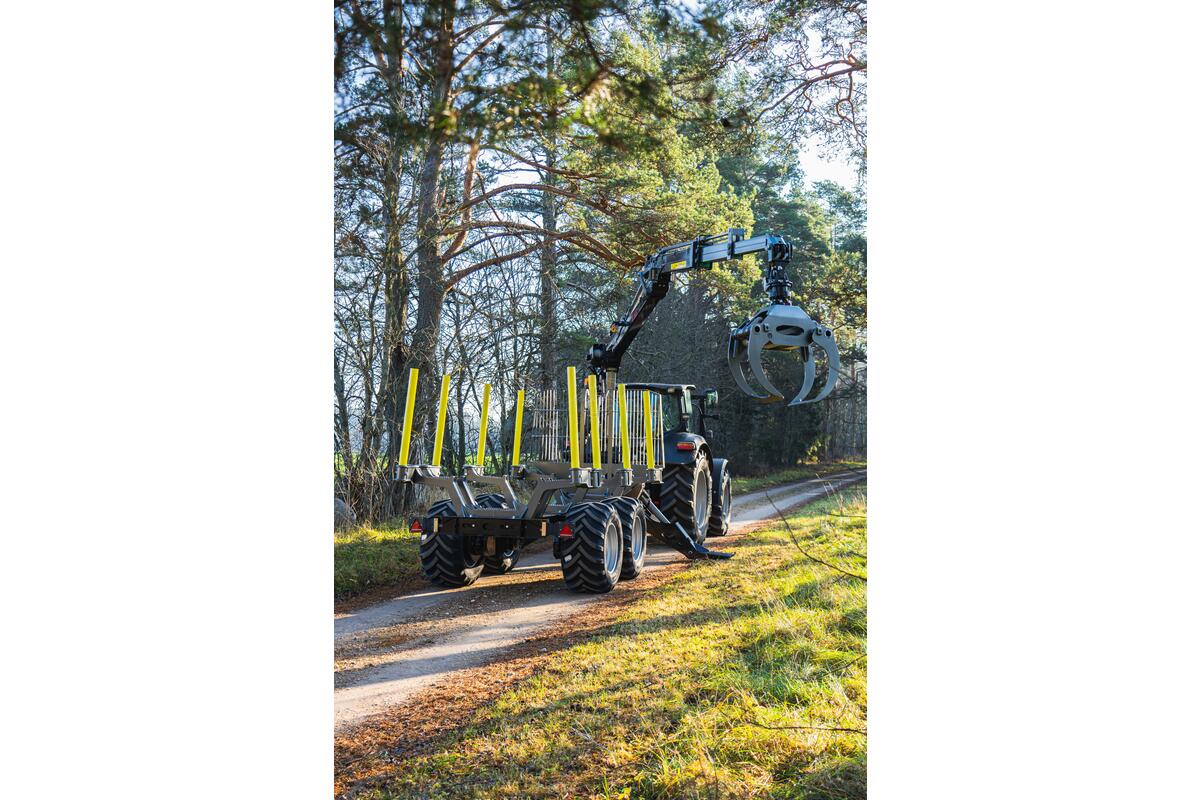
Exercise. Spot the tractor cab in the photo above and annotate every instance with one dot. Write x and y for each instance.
(685, 411)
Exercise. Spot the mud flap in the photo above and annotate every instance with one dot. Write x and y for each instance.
(676, 537)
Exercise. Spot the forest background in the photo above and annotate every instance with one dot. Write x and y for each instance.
(502, 169)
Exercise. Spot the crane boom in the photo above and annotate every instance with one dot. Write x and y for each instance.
(778, 325)
(654, 281)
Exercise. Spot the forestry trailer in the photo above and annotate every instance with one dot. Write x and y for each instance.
(649, 466)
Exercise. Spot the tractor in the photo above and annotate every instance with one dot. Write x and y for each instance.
(650, 468)
(696, 490)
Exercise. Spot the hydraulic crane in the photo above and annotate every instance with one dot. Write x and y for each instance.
(778, 325)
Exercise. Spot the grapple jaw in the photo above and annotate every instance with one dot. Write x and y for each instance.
(781, 326)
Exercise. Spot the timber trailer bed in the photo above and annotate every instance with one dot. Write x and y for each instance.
(598, 517)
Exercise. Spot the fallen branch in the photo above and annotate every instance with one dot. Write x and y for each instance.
(802, 727)
(796, 542)
(847, 665)
(742, 720)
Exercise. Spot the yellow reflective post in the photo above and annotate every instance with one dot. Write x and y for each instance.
(594, 405)
(649, 430)
(517, 428)
(573, 418)
(440, 435)
(626, 456)
(410, 402)
(487, 397)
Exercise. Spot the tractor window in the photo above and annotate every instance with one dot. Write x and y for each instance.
(672, 420)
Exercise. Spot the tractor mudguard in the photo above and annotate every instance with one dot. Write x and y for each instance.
(677, 455)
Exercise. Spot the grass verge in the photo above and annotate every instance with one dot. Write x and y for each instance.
(743, 679)
(365, 558)
(745, 484)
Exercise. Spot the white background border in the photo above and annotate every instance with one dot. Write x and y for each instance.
(167, 218)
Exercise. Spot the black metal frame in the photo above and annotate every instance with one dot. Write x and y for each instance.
(526, 523)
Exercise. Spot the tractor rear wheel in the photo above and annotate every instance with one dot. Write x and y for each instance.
(686, 496)
(721, 516)
(633, 535)
(444, 557)
(504, 560)
(592, 554)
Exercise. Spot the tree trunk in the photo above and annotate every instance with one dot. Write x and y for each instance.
(547, 261)
(389, 53)
(431, 282)
(342, 422)
(395, 321)
(460, 405)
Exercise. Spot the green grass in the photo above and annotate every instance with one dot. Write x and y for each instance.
(744, 484)
(367, 557)
(690, 691)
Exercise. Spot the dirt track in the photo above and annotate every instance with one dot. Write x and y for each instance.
(387, 653)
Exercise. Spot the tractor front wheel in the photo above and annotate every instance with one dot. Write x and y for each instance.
(721, 516)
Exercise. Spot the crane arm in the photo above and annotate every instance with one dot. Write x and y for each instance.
(654, 281)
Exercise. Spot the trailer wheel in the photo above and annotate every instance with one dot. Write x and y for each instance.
(444, 557)
(633, 535)
(504, 560)
(686, 495)
(592, 554)
(721, 516)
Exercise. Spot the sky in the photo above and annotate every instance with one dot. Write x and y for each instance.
(818, 169)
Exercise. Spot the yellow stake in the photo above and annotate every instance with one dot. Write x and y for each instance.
(517, 428)
(626, 456)
(594, 403)
(487, 397)
(409, 403)
(440, 435)
(649, 430)
(573, 418)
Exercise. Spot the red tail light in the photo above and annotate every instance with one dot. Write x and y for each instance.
(685, 445)
(565, 531)
(416, 526)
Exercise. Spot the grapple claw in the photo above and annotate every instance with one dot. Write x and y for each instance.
(781, 326)
(758, 342)
(810, 374)
(737, 365)
(823, 338)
